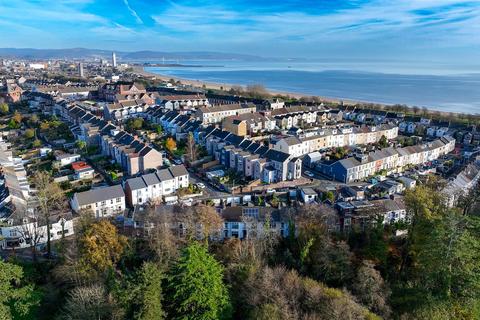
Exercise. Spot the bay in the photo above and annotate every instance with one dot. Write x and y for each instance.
(445, 89)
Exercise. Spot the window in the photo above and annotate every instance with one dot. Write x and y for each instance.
(103, 203)
(13, 233)
(119, 200)
(111, 201)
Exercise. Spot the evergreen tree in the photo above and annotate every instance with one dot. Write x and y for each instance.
(150, 278)
(15, 300)
(196, 286)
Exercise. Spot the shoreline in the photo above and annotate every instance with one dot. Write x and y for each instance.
(227, 86)
(297, 95)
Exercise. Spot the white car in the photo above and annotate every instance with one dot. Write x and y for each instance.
(271, 191)
(309, 174)
(201, 185)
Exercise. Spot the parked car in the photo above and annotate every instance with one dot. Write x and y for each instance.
(271, 191)
(309, 174)
(201, 185)
(177, 161)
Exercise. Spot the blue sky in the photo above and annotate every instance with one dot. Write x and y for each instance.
(430, 30)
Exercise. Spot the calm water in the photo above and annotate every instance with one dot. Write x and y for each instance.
(455, 89)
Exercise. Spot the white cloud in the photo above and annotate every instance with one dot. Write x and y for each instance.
(377, 19)
(133, 12)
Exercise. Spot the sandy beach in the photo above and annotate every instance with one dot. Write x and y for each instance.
(227, 86)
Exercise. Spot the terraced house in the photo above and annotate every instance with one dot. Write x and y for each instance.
(152, 187)
(390, 159)
(103, 202)
(252, 159)
(215, 114)
(129, 152)
(305, 143)
(112, 92)
(120, 111)
(182, 102)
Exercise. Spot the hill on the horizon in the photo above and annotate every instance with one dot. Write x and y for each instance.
(83, 53)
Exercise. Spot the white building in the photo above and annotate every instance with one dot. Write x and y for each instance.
(153, 186)
(28, 231)
(102, 202)
(67, 158)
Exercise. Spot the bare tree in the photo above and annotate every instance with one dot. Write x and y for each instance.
(161, 239)
(30, 226)
(207, 220)
(90, 302)
(191, 148)
(50, 199)
(370, 288)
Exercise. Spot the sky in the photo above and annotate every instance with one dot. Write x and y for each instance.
(401, 30)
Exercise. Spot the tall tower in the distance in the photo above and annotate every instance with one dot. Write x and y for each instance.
(114, 60)
(80, 69)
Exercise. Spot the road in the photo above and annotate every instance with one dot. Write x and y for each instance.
(209, 191)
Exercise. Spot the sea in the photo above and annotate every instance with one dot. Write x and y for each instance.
(442, 87)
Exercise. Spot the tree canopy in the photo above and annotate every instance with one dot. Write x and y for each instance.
(196, 287)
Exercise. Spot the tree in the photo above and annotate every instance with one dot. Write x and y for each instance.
(278, 293)
(36, 143)
(88, 302)
(29, 134)
(101, 247)
(196, 286)
(329, 195)
(4, 108)
(134, 124)
(191, 147)
(150, 293)
(32, 232)
(383, 142)
(12, 124)
(16, 299)
(208, 220)
(161, 239)
(318, 255)
(370, 288)
(82, 145)
(257, 91)
(158, 129)
(170, 144)
(44, 126)
(445, 258)
(50, 199)
(17, 117)
(34, 119)
(466, 201)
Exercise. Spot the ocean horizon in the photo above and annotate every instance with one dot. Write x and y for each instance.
(442, 90)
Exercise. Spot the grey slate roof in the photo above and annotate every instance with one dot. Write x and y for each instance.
(98, 195)
(150, 179)
(276, 155)
(136, 183)
(178, 171)
(164, 175)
